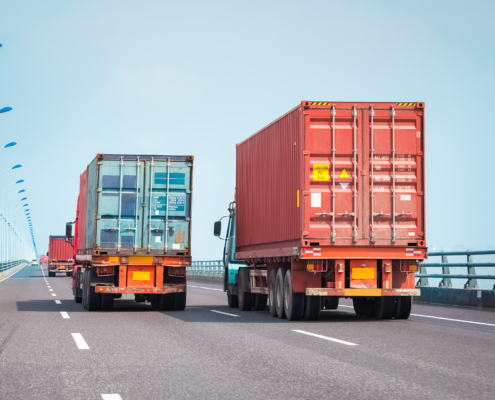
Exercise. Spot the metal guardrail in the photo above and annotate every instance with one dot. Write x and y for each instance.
(205, 269)
(446, 282)
(11, 264)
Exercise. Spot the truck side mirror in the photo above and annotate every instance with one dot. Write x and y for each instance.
(217, 228)
(68, 230)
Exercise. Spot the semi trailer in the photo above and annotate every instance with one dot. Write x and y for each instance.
(133, 231)
(60, 256)
(329, 204)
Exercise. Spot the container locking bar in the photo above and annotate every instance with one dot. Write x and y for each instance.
(333, 234)
(372, 195)
(152, 163)
(166, 211)
(394, 233)
(120, 204)
(137, 203)
(354, 150)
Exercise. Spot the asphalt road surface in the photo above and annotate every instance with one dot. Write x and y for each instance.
(51, 348)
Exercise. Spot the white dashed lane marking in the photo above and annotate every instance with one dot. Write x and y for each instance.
(111, 397)
(64, 315)
(81, 343)
(207, 288)
(58, 302)
(325, 337)
(53, 294)
(224, 313)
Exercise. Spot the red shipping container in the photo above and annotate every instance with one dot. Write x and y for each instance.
(334, 180)
(60, 250)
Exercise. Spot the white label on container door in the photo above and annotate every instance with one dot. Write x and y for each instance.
(315, 199)
(411, 233)
(176, 246)
(158, 239)
(157, 212)
(405, 197)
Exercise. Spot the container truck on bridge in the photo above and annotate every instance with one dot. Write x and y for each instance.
(60, 256)
(133, 231)
(329, 203)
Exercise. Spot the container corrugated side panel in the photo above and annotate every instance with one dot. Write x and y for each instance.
(91, 205)
(83, 196)
(59, 249)
(268, 177)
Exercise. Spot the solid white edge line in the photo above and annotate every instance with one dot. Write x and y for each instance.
(64, 315)
(58, 302)
(454, 320)
(81, 343)
(111, 396)
(13, 274)
(202, 287)
(220, 312)
(446, 319)
(325, 337)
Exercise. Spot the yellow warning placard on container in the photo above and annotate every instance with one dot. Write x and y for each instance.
(344, 174)
(140, 276)
(321, 172)
(363, 273)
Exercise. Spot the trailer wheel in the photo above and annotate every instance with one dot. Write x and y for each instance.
(403, 307)
(51, 274)
(166, 301)
(271, 293)
(260, 302)
(77, 299)
(154, 301)
(180, 301)
(92, 298)
(246, 299)
(69, 273)
(331, 302)
(369, 308)
(359, 306)
(385, 307)
(312, 307)
(293, 302)
(232, 299)
(106, 301)
(279, 293)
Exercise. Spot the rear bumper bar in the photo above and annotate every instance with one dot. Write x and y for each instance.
(140, 290)
(362, 292)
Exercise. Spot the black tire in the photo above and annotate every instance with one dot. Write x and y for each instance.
(331, 303)
(260, 301)
(233, 300)
(154, 301)
(84, 294)
(51, 274)
(180, 301)
(312, 307)
(77, 283)
(279, 293)
(140, 298)
(369, 308)
(359, 306)
(69, 273)
(93, 298)
(106, 301)
(293, 302)
(246, 299)
(272, 293)
(403, 307)
(385, 307)
(166, 301)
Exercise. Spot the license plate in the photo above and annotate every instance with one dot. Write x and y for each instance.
(61, 267)
(140, 276)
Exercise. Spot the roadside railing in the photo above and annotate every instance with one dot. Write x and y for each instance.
(206, 271)
(11, 264)
(446, 282)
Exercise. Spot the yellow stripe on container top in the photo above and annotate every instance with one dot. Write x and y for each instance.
(316, 103)
(405, 104)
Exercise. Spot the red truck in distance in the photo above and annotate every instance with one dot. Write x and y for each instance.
(60, 256)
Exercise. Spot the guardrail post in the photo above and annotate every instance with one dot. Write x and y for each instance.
(471, 283)
(445, 282)
(422, 282)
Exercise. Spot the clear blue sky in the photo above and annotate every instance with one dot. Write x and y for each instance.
(196, 77)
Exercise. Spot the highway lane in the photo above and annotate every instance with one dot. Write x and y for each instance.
(137, 353)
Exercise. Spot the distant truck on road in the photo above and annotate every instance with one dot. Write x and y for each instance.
(329, 203)
(133, 231)
(60, 256)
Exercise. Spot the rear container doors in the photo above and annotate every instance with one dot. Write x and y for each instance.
(119, 219)
(168, 205)
(363, 176)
